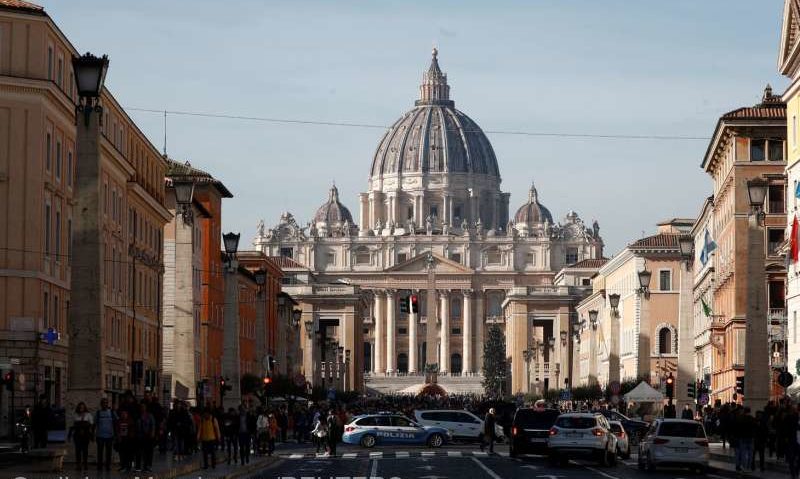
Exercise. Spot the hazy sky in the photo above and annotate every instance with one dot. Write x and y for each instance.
(598, 67)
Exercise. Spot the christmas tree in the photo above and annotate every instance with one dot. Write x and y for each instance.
(494, 362)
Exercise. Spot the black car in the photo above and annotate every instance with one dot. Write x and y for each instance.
(530, 431)
(634, 427)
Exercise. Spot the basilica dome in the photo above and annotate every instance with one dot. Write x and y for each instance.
(333, 211)
(532, 213)
(434, 137)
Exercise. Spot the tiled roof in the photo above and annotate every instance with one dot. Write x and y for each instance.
(176, 169)
(21, 5)
(285, 262)
(661, 240)
(590, 263)
(771, 107)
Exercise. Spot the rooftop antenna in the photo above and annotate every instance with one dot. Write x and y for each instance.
(165, 132)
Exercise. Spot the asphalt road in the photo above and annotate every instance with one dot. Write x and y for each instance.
(455, 462)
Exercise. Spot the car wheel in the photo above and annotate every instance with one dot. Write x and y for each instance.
(602, 457)
(436, 440)
(612, 458)
(368, 441)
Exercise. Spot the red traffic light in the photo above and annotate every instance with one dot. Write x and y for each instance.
(267, 380)
(670, 380)
(413, 299)
(8, 377)
(221, 382)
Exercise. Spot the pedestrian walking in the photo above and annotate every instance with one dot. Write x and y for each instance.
(244, 436)
(105, 422)
(125, 434)
(320, 432)
(145, 439)
(81, 433)
(333, 433)
(274, 432)
(759, 440)
(745, 433)
(687, 412)
(262, 432)
(489, 422)
(230, 432)
(208, 436)
(40, 420)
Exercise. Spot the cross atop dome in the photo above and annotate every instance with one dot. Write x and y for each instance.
(533, 196)
(434, 89)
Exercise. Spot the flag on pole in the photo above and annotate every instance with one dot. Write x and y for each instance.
(708, 246)
(793, 241)
(706, 308)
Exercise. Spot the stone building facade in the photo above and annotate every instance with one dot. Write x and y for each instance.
(434, 224)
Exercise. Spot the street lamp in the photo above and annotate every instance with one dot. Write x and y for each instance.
(564, 336)
(231, 243)
(294, 321)
(309, 324)
(643, 353)
(757, 191)
(686, 245)
(90, 74)
(551, 341)
(613, 301)
(528, 354)
(593, 318)
(644, 282)
(184, 192)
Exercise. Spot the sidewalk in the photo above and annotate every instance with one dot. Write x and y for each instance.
(728, 456)
(164, 467)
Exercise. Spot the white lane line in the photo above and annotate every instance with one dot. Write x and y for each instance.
(428, 453)
(374, 470)
(350, 455)
(480, 453)
(503, 454)
(716, 476)
(597, 471)
(296, 456)
(483, 466)
(376, 455)
(454, 453)
(402, 455)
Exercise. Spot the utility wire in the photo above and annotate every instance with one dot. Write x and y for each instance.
(385, 127)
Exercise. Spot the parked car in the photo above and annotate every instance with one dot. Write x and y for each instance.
(375, 429)
(586, 434)
(530, 431)
(461, 424)
(634, 428)
(674, 442)
(623, 442)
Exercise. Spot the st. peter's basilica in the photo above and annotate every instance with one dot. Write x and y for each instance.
(434, 223)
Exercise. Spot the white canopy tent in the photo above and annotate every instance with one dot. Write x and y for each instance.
(643, 392)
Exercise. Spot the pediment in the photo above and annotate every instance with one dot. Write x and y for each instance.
(419, 264)
(790, 34)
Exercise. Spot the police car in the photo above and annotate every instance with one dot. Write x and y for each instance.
(374, 429)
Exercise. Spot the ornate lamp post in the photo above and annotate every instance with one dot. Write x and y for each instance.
(644, 324)
(613, 357)
(261, 322)
(686, 372)
(756, 360)
(230, 355)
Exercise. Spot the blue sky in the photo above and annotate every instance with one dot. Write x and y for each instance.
(611, 67)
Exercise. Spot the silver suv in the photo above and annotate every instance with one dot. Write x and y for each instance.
(586, 434)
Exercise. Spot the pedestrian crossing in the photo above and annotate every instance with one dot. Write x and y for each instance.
(394, 455)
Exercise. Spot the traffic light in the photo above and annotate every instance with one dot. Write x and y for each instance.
(267, 381)
(740, 384)
(692, 388)
(404, 304)
(670, 386)
(224, 387)
(271, 362)
(414, 303)
(8, 380)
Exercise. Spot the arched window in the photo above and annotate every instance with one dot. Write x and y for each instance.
(402, 363)
(455, 363)
(665, 341)
(495, 304)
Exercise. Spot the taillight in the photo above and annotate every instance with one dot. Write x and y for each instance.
(553, 431)
(660, 440)
(598, 431)
(702, 442)
(349, 429)
(514, 431)
(621, 434)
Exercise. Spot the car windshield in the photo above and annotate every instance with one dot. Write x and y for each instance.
(681, 429)
(616, 427)
(530, 419)
(572, 422)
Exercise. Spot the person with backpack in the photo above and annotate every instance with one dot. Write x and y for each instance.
(208, 436)
(81, 433)
(105, 422)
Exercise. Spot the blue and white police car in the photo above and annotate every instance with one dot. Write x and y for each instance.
(374, 429)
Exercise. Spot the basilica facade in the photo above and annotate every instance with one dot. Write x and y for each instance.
(435, 224)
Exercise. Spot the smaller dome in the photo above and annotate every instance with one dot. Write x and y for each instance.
(533, 212)
(333, 211)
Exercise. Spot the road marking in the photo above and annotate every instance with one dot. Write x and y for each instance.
(530, 466)
(428, 453)
(716, 476)
(480, 453)
(374, 470)
(597, 471)
(427, 468)
(350, 455)
(296, 456)
(376, 455)
(503, 454)
(454, 453)
(402, 455)
(485, 468)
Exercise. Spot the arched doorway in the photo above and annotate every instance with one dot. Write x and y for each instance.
(402, 363)
(455, 364)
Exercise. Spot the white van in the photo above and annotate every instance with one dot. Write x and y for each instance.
(461, 424)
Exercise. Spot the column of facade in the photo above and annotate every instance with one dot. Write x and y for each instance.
(391, 328)
(412, 339)
(466, 333)
(363, 202)
(446, 208)
(380, 353)
(444, 333)
(480, 325)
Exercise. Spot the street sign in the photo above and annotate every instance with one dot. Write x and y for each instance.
(785, 379)
(703, 399)
(614, 387)
(566, 395)
(331, 394)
